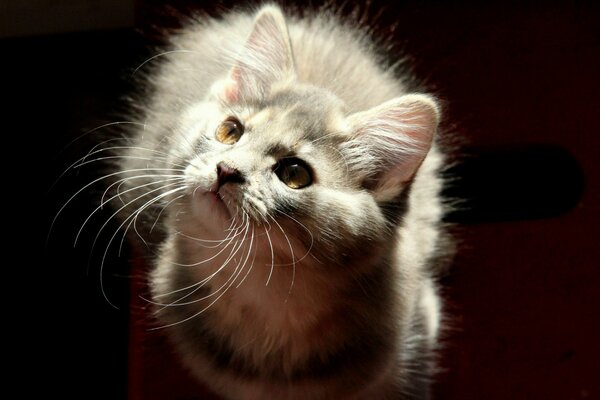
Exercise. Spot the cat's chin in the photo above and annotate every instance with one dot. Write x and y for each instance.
(210, 205)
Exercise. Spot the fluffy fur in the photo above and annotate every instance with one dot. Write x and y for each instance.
(266, 291)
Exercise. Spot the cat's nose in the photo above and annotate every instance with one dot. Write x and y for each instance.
(226, 173)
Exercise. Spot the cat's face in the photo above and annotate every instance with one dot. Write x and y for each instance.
(265, 150)
(278, 164)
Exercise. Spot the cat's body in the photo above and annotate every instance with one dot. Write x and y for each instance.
(294, 187)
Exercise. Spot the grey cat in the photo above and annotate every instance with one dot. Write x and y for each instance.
(293, 185)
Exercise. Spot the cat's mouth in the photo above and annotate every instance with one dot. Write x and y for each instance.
(216, 197)
(218, 202)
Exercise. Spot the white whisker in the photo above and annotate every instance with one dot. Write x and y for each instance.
(101, 127)
(72, 166)
(218, 242)
(135, 226)
(102, 203)
(122, 157)
(59, 212)
(238, 245)
(102, 263)
(291, 253)
(253, 259)
(163, 210)
(157, 56)
(120, 182)
(272, 254)
(160, 196)
(228, 239)
(134, 221)
(203, 309)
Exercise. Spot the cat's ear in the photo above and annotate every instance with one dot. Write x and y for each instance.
(265, 59)
(389, 142)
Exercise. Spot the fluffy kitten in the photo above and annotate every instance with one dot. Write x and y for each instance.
(293, 185)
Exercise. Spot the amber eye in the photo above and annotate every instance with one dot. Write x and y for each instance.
(230, 131)
(294, 172)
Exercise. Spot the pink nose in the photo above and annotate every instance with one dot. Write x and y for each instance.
(226, 173)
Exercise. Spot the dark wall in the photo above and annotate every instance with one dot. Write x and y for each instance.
(54, 89)
(520, 87)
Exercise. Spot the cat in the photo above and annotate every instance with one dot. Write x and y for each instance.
(285, 186)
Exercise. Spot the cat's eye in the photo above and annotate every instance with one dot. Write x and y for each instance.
(294, 172)
(230, 131)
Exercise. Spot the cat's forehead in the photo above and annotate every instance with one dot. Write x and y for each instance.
(303, 113)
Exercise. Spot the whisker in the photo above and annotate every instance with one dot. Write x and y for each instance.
(159, 55)
(253, 259)
(312, 238)
(125, 156)
(83, 160)
(201, 283)
(197, 313)
(233, 277)
(229, 240)
(102, 263)
(72, 166)
(98, 128)
(272, 254)
(102, 203)
(233, 233)
(292, 254)
(178, 139)
(59, 212)
(98, 148)
(160, 196)
(120, 182)
(231, 229)
(135, 219)
(208, 240)
(162, 210)
(124, 236)
(248, 223)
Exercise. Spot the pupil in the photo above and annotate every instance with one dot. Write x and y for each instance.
(232, 128)
(293, 172)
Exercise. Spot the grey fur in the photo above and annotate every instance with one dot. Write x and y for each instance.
(330, 293)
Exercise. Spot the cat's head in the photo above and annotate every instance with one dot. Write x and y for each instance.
(267, 149)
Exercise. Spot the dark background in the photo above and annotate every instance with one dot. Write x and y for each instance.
(521, 88)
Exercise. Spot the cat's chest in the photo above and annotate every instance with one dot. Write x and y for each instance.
(260, 299)
(265, 298)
